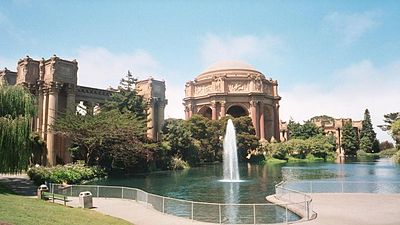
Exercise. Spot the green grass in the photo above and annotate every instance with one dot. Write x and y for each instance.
(274, 161)
(15, 209)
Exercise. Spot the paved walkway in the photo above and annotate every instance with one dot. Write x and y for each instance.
(332, 208)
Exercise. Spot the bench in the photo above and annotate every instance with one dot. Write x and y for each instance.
(52, 196)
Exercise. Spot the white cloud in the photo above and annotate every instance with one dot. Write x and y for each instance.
(175, 95)
(215, 48)
(350, 27)
(353, 89)
(98, 67)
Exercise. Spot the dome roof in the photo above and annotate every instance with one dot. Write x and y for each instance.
(229, 65)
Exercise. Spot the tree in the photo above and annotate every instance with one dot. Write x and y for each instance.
(305, 131)
(17, 107)
(395, 131)
(350, 142)
(368, 135)
(389, 119)
(127, 100)
(180, 142)
(207, 132)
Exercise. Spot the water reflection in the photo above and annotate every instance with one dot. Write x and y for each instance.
(231, 195)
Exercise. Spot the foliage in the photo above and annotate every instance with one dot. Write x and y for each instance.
(389, 119)
(395, 131)
(305, 131)
(396, 157)
(17, 107)
(127, 100)
(368, 135)
(180, 142)
(207, 133)
(245, 136)
(387, 153)
(363, 154)
(350, 142)
(385, 145)
(322, 146)
(323, 118)
(15, 209)
(109, 139)
(178, 163)
(70, 173)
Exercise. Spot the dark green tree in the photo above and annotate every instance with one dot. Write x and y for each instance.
(17, 107)
(350, 142)
(305, 131)
(389, 119)
(208, 134)
(395, 132)
(179, 141)
(368, 135)
(127, 100)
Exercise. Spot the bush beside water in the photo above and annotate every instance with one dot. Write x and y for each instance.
(70, 173)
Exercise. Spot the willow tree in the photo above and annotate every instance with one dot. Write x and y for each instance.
(17, 107)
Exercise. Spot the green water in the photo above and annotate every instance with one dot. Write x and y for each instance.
(203, 183)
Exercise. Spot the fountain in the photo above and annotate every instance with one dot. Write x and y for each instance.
(230, 158)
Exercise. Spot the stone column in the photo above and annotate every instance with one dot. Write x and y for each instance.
(52, 114)
(71, 105)
(190, 110)
(262, 120)
(276, 121)
(150, 119)
(186, 113)
(45, 112)
(223, 113)
(89, 107)
(39, 120)
(213, 110)
(253, 110)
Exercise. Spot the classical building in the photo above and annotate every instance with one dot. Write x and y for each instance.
(331, 127)
(334, 127)
(54, 84)
(237, 89)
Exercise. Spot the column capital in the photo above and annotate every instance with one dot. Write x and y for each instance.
(54, 87)
(222, 103)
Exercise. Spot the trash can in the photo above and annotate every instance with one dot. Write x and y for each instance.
(86, 199)
(42, 188)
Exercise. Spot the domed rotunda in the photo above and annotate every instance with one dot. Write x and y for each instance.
(237, 89)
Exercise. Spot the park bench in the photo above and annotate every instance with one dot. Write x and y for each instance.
(53, 197)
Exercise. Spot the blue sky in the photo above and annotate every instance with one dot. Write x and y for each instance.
(329, 57)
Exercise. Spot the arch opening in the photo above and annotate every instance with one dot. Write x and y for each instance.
(237, 111)
(206, 112)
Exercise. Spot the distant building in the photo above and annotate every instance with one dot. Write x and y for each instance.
(54, 84)
(237, 89)
(330, 126)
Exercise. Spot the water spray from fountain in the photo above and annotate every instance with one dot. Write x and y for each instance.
(230, 158)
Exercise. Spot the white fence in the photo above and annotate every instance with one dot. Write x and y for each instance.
(259, 213)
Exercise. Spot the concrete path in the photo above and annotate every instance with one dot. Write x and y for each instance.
(356, 208)
(19, 183)
(332, 209)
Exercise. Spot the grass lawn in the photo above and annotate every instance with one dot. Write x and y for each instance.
(15, 209)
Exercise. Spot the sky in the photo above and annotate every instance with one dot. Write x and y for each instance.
(336, 58)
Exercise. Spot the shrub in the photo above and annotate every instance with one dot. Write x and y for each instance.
(177, 163)
(70, 173)
(387, 153)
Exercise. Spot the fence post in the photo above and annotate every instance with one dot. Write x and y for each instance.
(122, 192)
(192, 211)
(163, 204)
(254, 213)
(220, 215)
(286, 214)
(147, 199)
(71, 189)
(98, 190)
(342, 186)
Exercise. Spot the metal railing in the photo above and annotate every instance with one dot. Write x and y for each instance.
(295, 204)
(342, 186)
